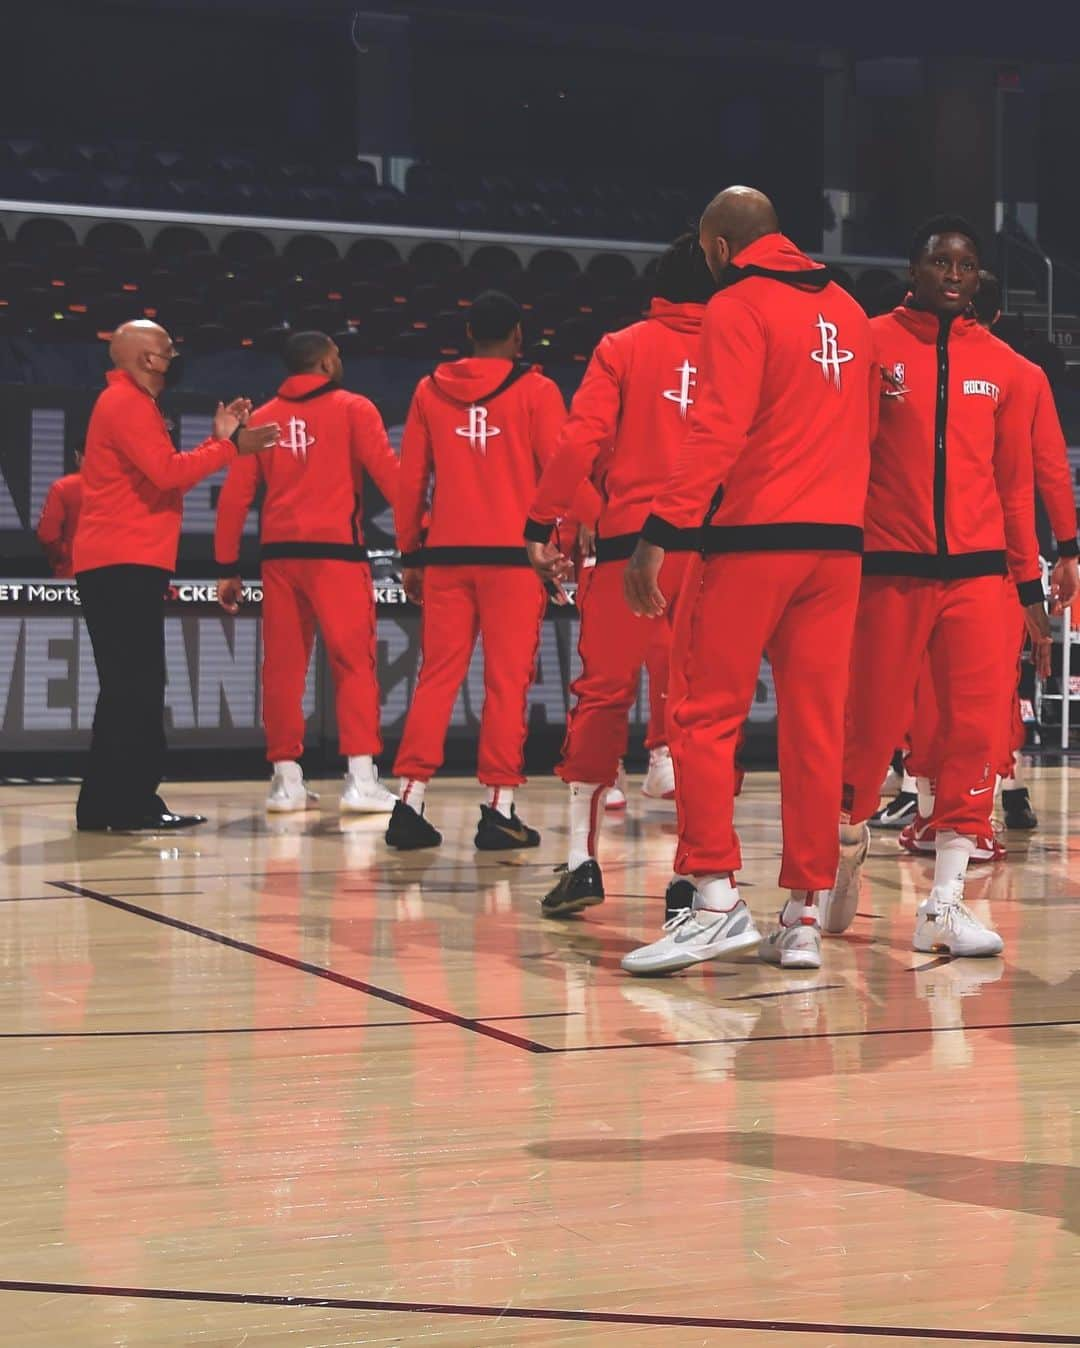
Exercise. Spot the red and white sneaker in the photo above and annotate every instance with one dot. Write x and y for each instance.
(659, 783)
(615, 799)
(919, 838)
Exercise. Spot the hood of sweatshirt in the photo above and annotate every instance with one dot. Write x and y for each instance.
(301, 388)
(775, 257)
(477, 379)
(680, 317)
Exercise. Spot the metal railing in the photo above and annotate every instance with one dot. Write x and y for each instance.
(1016, 238)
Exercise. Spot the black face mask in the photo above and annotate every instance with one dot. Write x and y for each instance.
(175, 373)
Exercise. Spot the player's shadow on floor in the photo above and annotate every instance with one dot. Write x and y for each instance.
(1040, 1188)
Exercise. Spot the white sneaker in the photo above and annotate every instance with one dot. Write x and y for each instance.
(691, 937)
(838, 904)
(616, 796)
(366, 797)
(659, 783)
(288, 792)
(945, 924)
(794, 947)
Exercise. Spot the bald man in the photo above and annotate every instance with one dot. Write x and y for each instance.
(124, 555)
(773, 473)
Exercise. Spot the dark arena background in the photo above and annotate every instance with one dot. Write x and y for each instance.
(271, 1081)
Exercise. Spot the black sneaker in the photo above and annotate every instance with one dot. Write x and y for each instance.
(497, 833)
(678, 895)
(899, 812)
(579, 888)
(408, 830)
(1018, 811)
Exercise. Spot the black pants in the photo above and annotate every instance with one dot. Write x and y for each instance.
(123, 608)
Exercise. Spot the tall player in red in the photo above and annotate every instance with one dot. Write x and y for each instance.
(626, 425)
(950, 509)
(773, 474)
(314, 565)
(478, 434)
(60, 518)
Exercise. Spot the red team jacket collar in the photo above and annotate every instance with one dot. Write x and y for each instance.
(122, 377)
(679, 317)
(301, 387)
(775, 252)
(476, 379)
(926, 326)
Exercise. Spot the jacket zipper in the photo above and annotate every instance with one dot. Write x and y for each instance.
(941, 417)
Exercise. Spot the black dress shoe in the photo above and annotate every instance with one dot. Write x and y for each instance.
(1018, 811)
(582, 887)
(409, 830)
(678, 895)
(499, 833)
(165, 822)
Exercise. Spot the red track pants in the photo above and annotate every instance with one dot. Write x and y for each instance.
(298, 595)
(800, 606)
(613, 643)
(926, 731)
(959, 624)
(505, 606)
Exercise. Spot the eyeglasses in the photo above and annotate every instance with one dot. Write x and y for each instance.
(169, 355)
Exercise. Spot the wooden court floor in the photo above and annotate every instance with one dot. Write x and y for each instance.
(267, 1084)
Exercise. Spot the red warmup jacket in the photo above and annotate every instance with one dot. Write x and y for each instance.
(777, 450)
(314, 475)
(59, 520)
(626, 426)
(134, 481)
(951, 477)
(1053, 473)
(483, 429)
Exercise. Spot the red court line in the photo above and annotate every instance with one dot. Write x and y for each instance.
(537, 1313)
(317, 970)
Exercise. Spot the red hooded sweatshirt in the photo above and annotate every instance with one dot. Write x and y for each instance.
(134, 481)
(951, 478)
(314, 475)
(483, 429)
(626, 425)
(777, 451)
(1053, 473)
(59, 520)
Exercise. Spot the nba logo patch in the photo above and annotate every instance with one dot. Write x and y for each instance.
(898, 371)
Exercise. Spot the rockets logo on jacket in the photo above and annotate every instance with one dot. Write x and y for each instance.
(478, 432)
(829, 355)
(687, 383)
(982, 387)
(298, 441)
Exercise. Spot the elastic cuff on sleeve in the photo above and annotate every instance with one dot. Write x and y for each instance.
(659, 532)
(1068, 547)
(412, 558)
(225, 570)
(536, 531)
(1031, 592)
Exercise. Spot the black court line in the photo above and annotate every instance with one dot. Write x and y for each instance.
(829, 1034)
(160, 894)
(537, 1313)
(787, 992)
(253, 1029)
(317, 970)
(34, 898)
(931, 964)
(393, 871)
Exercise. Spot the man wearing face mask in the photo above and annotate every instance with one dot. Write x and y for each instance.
(950, 511)
(124, 554)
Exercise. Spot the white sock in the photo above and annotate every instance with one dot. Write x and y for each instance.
(289, 770)
(851, 834)
(658, 754)
(586, 812)
(908, 783)
(411, 793)
(798, 907)
(501, 798)
(362, 767)
(925, 790)
(1016, 781)
(953, 854)
(716, 893)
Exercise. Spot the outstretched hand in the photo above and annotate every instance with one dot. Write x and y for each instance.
(552, 568)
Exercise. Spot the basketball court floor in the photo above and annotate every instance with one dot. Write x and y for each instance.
(269, 1084)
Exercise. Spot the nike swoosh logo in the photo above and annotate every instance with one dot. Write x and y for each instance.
(518, 834)
(981, 791)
